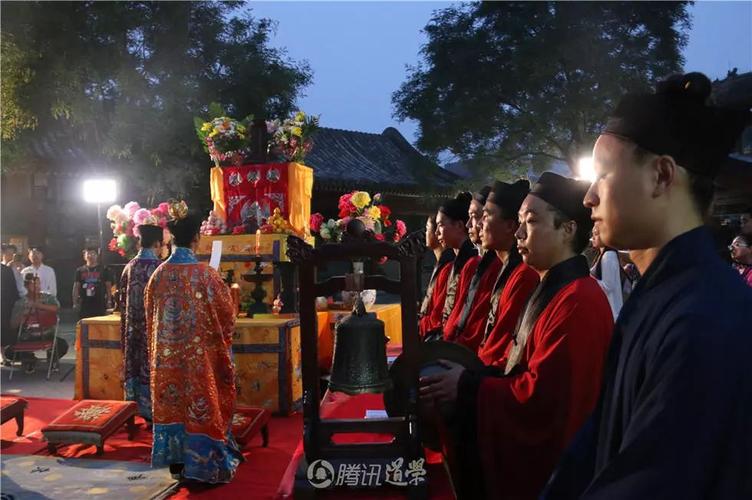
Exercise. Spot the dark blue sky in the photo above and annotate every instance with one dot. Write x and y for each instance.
(358, 52)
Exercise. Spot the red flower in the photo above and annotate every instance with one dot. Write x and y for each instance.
(385, 213)
(379, 236)
(316, 220)
(238, 230)
(345, 205)
(113, 245)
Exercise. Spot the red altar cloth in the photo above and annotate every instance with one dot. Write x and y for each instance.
(338, 405)
(254, 187)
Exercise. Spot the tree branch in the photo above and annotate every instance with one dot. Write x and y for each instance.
(522, 155)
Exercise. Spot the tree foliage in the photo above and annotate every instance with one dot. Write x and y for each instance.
(122, 81)
(514, 85)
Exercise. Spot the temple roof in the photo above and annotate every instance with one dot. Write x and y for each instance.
(734, 91)
(346, 158)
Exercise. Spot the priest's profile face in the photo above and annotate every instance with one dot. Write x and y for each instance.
(451, 233)
(541, 244)
(622, 197)
(497, 232)
(432, 241)
(475, 216)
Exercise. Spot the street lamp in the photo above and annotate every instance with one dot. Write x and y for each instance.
(585, 169)
(100, 191)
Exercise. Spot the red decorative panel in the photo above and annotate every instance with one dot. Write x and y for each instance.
(254, 191)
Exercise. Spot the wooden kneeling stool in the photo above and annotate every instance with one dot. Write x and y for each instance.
(247, 422)
(91, 422)
(13, 408)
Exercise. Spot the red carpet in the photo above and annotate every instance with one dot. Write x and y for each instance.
(39, 412)
(337, 405)
(257, 477)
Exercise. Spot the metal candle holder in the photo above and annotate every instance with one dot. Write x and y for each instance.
(258, 293)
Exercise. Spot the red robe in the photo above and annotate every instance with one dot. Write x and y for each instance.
(462, 287)
(432, 319)
(473, 332)
(525, 421)
(512, 300)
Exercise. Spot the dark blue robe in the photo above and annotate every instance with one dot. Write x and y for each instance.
(674, 418)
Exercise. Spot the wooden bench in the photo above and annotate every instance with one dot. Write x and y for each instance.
(247, 422)
(13, 408)
(91, 422)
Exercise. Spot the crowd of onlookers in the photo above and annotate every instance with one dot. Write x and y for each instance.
(30, 307)
(618, 275)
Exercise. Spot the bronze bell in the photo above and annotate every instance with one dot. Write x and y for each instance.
(359, 364)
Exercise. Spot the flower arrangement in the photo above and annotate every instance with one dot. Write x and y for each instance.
(224, 138)
(291, 138)
(374, 215)
(125, 221)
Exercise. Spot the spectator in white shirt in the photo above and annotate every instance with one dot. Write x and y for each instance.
(46, 274)
(607, 270)
(8, 252)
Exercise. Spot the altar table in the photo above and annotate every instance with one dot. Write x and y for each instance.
(266, 353)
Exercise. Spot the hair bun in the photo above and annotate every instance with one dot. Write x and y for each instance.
(464, 197)
(694, 86)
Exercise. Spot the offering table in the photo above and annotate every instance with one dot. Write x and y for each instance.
(266, 353)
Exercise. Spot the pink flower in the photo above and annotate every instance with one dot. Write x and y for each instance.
(164, 207)
(129, 228)
(140, 216)
(401, 228)
(379, 236)
(316, 220)
(131, 208)
(368, 222)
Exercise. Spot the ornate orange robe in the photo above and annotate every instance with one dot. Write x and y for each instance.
(190, 322)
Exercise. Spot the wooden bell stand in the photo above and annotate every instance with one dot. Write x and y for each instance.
(318, 432)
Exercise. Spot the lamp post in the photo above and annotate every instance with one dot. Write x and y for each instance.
(585, 170)
(100, 191)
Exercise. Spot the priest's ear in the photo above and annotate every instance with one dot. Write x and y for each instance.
(570, 231)
(576, 234)
(664, 171)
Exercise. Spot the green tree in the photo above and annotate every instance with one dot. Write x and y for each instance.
(122, 81)
(514, 85)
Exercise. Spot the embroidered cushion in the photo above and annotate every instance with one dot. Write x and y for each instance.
(10, 407)
(247, 422)
(99, 417)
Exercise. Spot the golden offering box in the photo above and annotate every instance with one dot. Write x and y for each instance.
(266, 354)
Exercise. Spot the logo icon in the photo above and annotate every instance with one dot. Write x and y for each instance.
(320, 474)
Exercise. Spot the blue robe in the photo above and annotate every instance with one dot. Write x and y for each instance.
(133, 329)
(674, 419)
